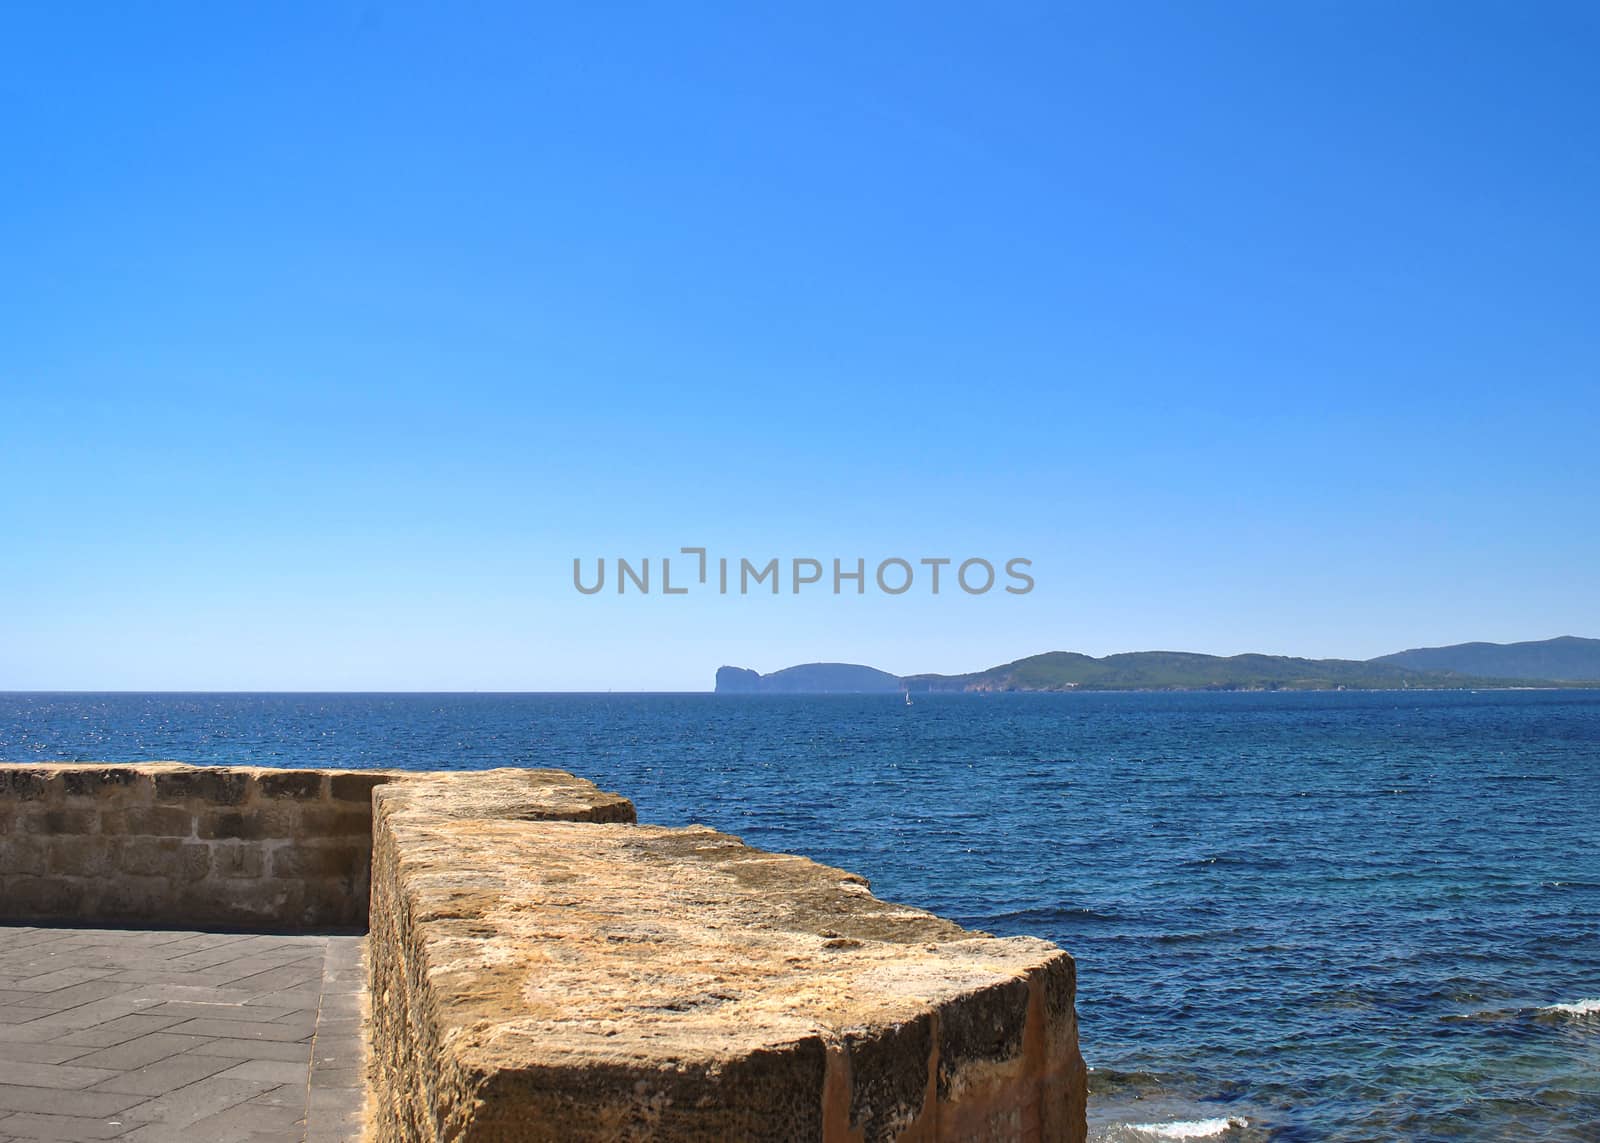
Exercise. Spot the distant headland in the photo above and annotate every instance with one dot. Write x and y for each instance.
(1562, 662)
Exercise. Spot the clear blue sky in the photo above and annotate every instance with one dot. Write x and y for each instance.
(331, 334)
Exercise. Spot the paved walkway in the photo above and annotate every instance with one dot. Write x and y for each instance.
(167, 1037)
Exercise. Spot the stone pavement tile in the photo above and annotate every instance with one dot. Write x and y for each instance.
(288, 1122)
(347, 1027)
(28, 1033)
(67, 1077)
(340, 1005)
(299, 1050)
(271, 1071)
(200, 1009)
(29, 1125)
(13, 1014)
(354, 1076)
(331, 1052)
(241, 967)
(209, 978)
(289, 1095)
(49, 1101)
(218, 954)
(88, 1015)
(118, 1031)
(58, 978)
(335, 1114)
(64, 998)
(54, 1052)
(168, 1075)
(166, 1133)
(197, 1101)
(305, 996)
(342, 968)
(293, 975)
(289, 1031)
(137, 1053)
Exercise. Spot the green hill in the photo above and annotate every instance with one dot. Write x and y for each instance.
(1567, 657)
(1182, 670)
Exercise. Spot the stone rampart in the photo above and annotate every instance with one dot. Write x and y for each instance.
(541, 968)
(559, 980)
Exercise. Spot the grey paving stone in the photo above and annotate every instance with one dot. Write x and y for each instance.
(60, 978)
(139, 1052)
(49, 1101)
(304, 997)
(118, 1031)
(260, 1049)
(50, 1053)
(30, 1125)
(202, 1010)
(67, 1077)
(167, 1075)
(289, 1095)
(172, 1037)
(60, 999)
(272, 1071)
(89, 1015)
(283, 976)
(247, 1030)
(198, 1100)
(351, 1077)
(288, 1122)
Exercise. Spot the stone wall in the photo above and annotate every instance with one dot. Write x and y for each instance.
(544, 979)
(161, 843)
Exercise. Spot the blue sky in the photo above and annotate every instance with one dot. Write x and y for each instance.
(330, 335)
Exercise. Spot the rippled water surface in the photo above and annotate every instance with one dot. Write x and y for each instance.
(1313, 916)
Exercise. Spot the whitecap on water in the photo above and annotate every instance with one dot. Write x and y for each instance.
(1580, 1009)
(1188, 1128)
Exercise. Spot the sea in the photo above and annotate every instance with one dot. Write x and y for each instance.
(1296, 916)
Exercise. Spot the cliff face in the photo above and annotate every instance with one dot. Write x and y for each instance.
(737, 681)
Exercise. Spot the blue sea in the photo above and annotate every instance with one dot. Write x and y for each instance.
(1350, 916)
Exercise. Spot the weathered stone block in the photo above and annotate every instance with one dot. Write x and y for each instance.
(148, 821)
(78, 856)
(237, 860)
(127, 897)
(62, 821)
(42, 898)
(97, 781)
(25, 853)
(300, 785)
(168, 857)
(214, 786)
(22, 785)
(312, 860)
(258, 822)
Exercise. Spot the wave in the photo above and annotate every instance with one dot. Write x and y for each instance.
(1052, 915)
(1580, 1009)
(1189, 1128)
(1585, 1009)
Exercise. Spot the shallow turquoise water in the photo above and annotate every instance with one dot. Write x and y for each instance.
(1315, 916)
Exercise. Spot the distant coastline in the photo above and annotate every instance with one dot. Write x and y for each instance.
(1560, 663)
